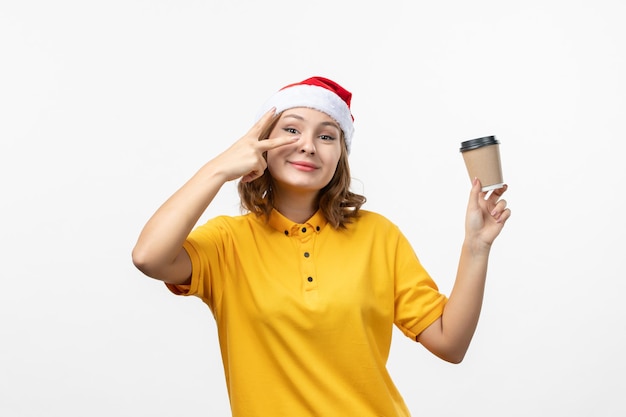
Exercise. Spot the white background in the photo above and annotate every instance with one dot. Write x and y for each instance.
(107, 107)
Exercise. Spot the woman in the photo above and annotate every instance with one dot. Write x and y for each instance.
(306, 287)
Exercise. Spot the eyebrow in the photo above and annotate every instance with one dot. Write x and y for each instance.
(298, 117)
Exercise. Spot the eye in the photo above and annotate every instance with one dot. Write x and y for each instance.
(326, 137)
(290, 130)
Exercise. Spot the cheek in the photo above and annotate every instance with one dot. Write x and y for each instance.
(334, 158)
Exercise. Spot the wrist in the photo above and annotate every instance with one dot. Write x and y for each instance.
(213, 172)
(476, 247)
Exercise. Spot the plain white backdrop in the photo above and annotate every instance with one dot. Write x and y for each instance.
(107, 107)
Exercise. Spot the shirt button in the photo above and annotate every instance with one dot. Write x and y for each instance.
(306, 254)
(317, 228)
(304, 230)
(286, 232)
(310, 279)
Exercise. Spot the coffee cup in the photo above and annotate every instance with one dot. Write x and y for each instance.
(482, 160)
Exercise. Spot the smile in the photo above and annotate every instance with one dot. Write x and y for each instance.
(303, 166)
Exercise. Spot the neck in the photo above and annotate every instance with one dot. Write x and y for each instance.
(298, 209)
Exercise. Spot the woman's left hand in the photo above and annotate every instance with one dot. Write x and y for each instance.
(485, 219)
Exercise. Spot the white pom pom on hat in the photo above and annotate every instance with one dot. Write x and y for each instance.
(317, 93)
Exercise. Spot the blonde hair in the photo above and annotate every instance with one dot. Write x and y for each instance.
(339, 205)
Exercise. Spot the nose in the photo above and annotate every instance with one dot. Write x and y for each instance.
(306, 144)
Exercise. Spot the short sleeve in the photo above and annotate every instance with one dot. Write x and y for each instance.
(205, 246)
(418, 302)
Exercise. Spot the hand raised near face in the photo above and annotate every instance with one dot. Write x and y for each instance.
(245, 158)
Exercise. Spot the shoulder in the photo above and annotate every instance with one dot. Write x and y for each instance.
(370, 220)
(367, 216)
(375, 234)
(227, 225)
(242, 220)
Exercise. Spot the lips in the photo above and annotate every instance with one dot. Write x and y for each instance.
(303, 166)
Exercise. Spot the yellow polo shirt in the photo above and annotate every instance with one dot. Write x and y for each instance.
(305, 312)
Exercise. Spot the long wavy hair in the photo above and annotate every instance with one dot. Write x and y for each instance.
(339, 205)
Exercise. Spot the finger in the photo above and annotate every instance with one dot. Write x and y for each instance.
(262, 123)
(256, 171)
(496, 196)
(475, 194)
(504, 216)
(499, 208)
(268, 144)
(499, 191)
(253, 175)
(501, 205)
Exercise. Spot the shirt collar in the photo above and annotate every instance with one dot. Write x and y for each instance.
(279, 222)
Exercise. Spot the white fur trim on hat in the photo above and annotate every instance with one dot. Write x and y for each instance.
(313, 97)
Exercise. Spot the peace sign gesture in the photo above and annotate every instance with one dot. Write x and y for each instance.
(244, 158)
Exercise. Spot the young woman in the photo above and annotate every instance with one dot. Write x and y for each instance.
(306, 286)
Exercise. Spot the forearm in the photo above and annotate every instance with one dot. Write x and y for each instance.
(162, 238)
(461, 314)
(450, 336)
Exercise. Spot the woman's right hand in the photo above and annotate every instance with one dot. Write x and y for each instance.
(159, 250)
(245, 158)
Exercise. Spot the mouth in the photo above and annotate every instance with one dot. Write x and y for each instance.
(303, 166)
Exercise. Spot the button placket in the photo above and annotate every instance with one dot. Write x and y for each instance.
(303, 236)
(306, 252)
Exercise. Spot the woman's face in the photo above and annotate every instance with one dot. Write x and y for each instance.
(309, 163)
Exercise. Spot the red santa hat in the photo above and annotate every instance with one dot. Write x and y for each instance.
(317, 93)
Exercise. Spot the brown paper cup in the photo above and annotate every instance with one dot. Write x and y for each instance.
(482, 160)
